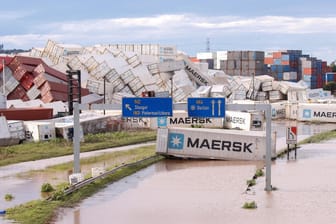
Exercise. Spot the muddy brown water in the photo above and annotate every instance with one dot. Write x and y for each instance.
(178, 191)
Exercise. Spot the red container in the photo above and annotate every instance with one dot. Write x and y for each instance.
(27, 81)
(51, 96)
(27, 114)
(18, 93)
(53, 86)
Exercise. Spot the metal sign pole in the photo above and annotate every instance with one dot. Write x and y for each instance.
(268, 114)
(76, 139)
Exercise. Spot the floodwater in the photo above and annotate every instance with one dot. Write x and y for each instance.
(178, 191)
(188, 191)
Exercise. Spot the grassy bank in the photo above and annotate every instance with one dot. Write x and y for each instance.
(30, 151)
(42, 211)
(324, 136)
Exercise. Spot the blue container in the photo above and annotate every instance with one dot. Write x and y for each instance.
(274, 68)
(286, 68)
(285, 57)
(277, 61)
(329, 77)
(313, 78)
(280, 76)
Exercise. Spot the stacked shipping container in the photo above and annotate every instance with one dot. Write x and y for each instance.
(283, 65)
(29, 78)
(292, 65)
(243, 63)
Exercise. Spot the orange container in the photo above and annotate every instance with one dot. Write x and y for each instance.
(277, 55)
(268, 61)
(307, 71)
(285, 62)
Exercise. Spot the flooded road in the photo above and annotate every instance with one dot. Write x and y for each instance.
(178, 191)
(171, 191)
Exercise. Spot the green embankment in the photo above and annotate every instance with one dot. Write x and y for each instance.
(31, 151)
(43, 211)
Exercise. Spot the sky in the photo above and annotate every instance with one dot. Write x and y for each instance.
(264, 25)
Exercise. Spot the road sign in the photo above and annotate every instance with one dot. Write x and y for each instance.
(291, 135)
(206, 107)
(147, 107)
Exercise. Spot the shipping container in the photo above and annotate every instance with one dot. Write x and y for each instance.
(213, 143)
(246, 121)
(16, 129)
(317, 112)
(40, 131)
(181, 119)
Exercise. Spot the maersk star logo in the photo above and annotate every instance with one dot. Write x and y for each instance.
(162, 122)
(176, 141)
(307, 113)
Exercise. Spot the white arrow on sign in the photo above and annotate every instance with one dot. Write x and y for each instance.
(128, 107)
(219, 103)
(213, 107)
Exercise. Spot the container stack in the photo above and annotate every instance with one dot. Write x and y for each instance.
(29, 78)
(311, 70)
(283, 65)
(243, 63)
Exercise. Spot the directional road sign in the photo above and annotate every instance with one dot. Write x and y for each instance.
(206, 107)
(291, 135)
(147, 107)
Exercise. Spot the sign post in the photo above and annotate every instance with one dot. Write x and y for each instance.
(291, 139)
(206, 107)
(147, 107)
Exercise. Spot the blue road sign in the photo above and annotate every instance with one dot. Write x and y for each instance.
(147, 107)
(206, 107)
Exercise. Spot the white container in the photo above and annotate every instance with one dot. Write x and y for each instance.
(292, 111)
(317, 112)
(3, 101)
(246, 121)
(213, 143)
(17, 129)
(4, 131)
(170, 66)
(278, 110)
(76, 178)
(275, 95)
(33, 92)
(266, 86)
(181, 119)
(287, 76)
(204, 91)
(40, 130)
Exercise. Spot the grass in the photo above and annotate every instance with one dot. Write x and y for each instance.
(251, 182)
(250, 205)
(324, 136)
(31, 151)
(42, 211)
(9, 197)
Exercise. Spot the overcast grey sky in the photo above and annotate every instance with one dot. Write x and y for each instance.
(230, 25)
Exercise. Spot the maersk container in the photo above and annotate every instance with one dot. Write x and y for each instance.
(181, 119)
(317, 112)
(246, 121)
(40, 130)
(213, 143)
(278, 110)
(17, 129)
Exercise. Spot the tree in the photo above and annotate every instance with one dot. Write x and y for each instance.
(330, 86)
(333, 66)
